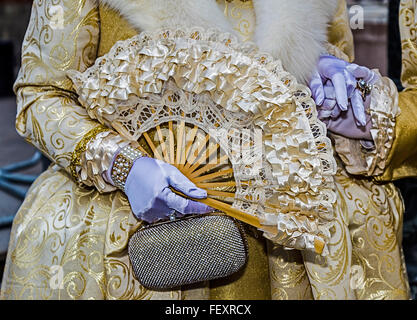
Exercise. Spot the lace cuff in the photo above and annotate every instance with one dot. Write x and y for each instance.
(81, 148)
(93, 157)
(359, 159)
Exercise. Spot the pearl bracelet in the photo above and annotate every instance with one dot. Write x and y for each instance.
(122, 165)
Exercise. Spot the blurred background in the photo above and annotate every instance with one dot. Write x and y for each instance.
(377, 46)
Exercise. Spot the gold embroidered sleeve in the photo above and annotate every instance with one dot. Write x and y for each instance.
(383, 109)
(61, 35)
(402, 158)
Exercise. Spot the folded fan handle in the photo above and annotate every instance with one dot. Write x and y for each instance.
(252, 220)
(237, 214)
(246, 218)
(233, 212)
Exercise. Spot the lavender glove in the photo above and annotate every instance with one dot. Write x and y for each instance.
(343, 77)
(148, 188)
(343, 122)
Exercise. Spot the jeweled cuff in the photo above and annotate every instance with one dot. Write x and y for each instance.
(122, 165)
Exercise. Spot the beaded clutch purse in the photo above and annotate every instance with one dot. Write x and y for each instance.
(194, 249)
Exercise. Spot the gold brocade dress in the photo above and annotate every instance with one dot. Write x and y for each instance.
(65, 231)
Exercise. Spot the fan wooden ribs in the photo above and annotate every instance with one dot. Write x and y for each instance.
(200, 159)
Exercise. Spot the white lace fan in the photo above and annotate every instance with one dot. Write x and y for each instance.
(227, 116)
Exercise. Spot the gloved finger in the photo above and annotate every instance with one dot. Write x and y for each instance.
(374, 78)
(335, 113)
(339, 84)
(173, 200)
(329, 91)
(182, 205)
(364, 73)
(360, 72)
(328, 104)
(358, 108)
(316, 86)
(195, 207)
(325, 111)
(351, 83)
(182, 184)
(325, 120)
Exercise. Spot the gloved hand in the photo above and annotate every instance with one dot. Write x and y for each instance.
(151, 199)
(343, 122)
(344, 77)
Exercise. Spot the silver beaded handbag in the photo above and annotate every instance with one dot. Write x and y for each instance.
(171, 254)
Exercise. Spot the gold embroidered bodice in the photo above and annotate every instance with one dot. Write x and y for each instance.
(241, 15)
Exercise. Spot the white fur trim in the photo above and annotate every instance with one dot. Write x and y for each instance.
(147, 15)
(294, 31)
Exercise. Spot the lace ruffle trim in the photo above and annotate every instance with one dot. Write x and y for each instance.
(97, 159)
(383, 110)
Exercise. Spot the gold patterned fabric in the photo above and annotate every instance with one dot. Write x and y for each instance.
(241, 15)
(396, 156)
(402, 159)
(383, 110)
(48, 114)
(76, 233)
